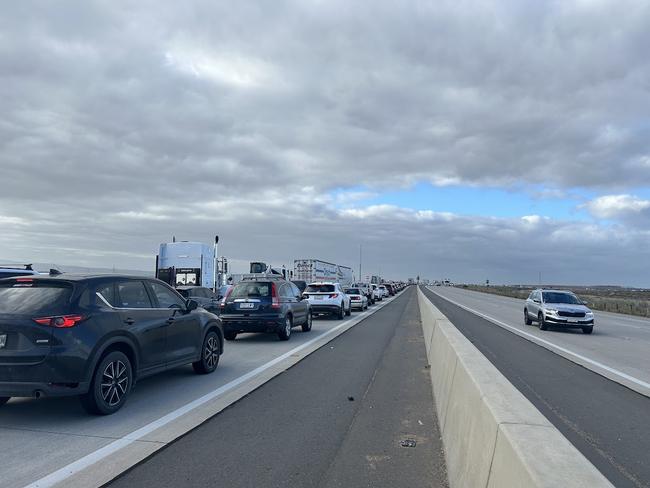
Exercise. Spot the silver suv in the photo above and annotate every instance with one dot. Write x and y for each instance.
(558, 308)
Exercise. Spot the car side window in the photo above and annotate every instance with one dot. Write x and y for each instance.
(107, 291)
(284, 291)
(133, 294)
(166, 297)
(295, 290)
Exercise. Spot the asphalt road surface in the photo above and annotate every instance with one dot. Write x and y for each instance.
(39, 437)
(619, 346)
(607, 422)
(335, 419)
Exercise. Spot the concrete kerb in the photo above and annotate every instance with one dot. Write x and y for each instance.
(493, 436)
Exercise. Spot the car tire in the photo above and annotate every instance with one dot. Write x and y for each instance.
(210, 353)
(541, 322)
(588, 330)
(348, 312)
(285, 332)
(341, 313)
(306, 327)
(4, 400)
(230, 336)
(110, 386)
(527, 320)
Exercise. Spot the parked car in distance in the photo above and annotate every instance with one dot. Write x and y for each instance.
(357, 299)
(205, 297)
(558, 308)
(267, 304)
(96, 336)
(391, 290)
(328, 298)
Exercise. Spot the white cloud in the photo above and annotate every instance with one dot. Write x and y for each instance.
(617, 206)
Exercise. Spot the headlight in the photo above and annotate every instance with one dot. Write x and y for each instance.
(551, 311)
(589, 314)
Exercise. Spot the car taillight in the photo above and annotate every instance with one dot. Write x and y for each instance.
(61, 321)
(334, 295)
(275, 301)
(356, 298)
(222, 304)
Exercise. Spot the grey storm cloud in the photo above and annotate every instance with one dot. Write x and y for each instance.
(124, 123)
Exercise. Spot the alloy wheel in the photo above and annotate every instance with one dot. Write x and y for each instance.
(211, 352)
(115, 382)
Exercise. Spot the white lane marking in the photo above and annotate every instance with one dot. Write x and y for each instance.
(80, 464)
(553, 346)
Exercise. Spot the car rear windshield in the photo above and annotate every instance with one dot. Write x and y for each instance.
(553, 297)
(185, 293)
(353, 291)
(32, 297)
(320, 289)
(251, 289)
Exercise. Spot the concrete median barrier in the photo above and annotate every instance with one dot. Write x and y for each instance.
(492, 435)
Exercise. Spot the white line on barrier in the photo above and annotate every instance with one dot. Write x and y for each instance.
(569, 354)
(82, 463)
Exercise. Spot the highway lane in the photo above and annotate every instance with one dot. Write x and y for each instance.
(333, 420)
(619, 347)
(38, 437)
(606, 421)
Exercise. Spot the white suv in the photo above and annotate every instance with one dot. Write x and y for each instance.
(328, 298)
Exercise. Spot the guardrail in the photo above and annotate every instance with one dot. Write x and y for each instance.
(492, 435)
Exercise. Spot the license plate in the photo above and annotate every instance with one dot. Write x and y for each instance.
(573, 320)
(3, 340)
(318, 297)
(246, 305)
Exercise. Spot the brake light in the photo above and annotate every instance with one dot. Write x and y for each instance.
(275, 301)
(222, 304)
(24, 280)
(61, 321)
(334, 295)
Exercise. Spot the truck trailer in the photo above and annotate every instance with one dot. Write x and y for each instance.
(314, 270)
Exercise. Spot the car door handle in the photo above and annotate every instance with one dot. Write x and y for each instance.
(129, 321)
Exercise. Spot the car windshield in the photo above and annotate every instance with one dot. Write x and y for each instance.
(33, 298)
(251, 289)
(555, 297)
(320, 289)
(352, 291)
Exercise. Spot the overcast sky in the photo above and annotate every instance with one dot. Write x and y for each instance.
(468, 140)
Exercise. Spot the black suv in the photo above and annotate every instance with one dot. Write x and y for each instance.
(205, 297)
(95, 336)
(265, 304)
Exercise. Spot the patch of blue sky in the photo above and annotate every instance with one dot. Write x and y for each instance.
(474, 200)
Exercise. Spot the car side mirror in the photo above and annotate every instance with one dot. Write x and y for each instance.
(191, 305)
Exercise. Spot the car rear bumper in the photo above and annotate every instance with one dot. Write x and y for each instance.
(325, 308)
(262, 323)
(39, 389)
(356, 304)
